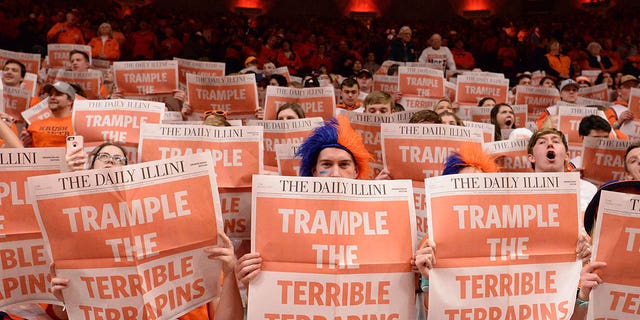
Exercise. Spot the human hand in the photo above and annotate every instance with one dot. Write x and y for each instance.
(247, 267)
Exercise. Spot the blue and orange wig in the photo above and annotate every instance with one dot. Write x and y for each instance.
(470, 155)
(335, 133)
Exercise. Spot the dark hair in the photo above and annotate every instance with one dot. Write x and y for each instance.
(393, 69)
(494, 120)
(99, 148)
(282, 81)
(600, 77)
(79, 90)
(397, 107)
(425, 116)
(293, 106)
(349, 82)
(542, 132)
(593, 122)
(522, 76)
(545, 78)
(485, 99)
(23, 69)
(84, 54)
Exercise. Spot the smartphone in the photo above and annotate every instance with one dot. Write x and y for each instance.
(74, 143)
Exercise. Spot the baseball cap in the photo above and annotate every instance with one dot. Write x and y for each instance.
(628, 78)
(583, 78)
(567, 83)
(311, 82)
(249, 60)
(62, 87)
(365, 72)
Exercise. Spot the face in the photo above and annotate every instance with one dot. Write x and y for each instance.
(109, 156)
(625, 90)
(548, 83)
(104, 30)
(269, 66)
(365, 82)
(11, 75)
(505, 117)
(59, 100)
(554, 46)
(405, 36)
(549, 154)
(79, 63)
(450, 120)
(633, 164)
(436, 41)
(525, 82)
(569, 94)
(357, 65)
(598, 134)
(595, 50)
(607, 78)
(443, 106)
(379, 108)
(371, 57)
(337, 163)
(273, 82)
(349, 95)
(488, 103)
(287, 114)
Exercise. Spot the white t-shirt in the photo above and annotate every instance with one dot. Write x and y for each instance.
(441, 56)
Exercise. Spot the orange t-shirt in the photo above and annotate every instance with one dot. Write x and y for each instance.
(51, 132)
(199, 313)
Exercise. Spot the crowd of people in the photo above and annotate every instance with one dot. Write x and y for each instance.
(344, 53)
(562, 45)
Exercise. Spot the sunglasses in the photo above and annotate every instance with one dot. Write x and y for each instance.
(220, 113)
(116, 159)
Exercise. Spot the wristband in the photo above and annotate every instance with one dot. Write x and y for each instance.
(424, 284)
(582, 303)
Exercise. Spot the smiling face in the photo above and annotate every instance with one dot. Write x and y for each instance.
(548, 153)
(336, 163)
(11, 75)
(59, 101)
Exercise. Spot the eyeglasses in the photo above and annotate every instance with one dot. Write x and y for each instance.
(116, 159)
(220, 113)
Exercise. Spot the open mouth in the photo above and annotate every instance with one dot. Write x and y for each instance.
(509, 122)
(551, 155)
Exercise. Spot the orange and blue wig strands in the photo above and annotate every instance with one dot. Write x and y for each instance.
(336, 133)
(470, 155)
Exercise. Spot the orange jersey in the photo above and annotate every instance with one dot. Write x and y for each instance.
(51, 132)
